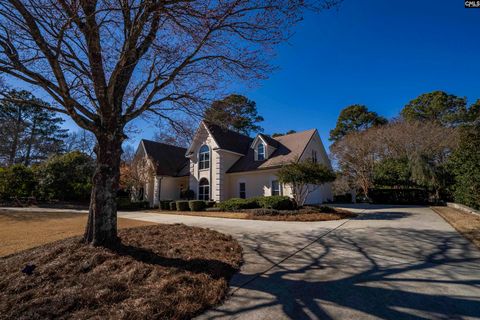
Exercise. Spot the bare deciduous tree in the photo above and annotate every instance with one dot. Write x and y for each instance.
(106, 63)
(426, 146)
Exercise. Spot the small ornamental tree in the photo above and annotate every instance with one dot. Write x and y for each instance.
(304, 177)
(134, 175)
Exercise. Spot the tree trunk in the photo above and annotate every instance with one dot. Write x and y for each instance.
(30, 142)
(101, 227)
(16, 135)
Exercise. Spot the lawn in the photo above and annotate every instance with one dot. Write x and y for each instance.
(465, 223)
(23, 230)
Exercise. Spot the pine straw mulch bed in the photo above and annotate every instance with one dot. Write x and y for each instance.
(307, 214)
(467, 224)
(157, 272)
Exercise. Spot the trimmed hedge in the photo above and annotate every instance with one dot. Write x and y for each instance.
(210, 204)
(343, 198)
(399, 196)
(272, 202)
(276, 202)
(197, 205)
(165, 204)
(126, 204)
(238, 204)
(182, 206)
(173, 206)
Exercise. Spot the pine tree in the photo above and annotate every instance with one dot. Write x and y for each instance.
(30, 131)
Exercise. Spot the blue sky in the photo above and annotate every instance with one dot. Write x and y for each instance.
(374, 52)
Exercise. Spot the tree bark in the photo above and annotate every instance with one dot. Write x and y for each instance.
(101, 227)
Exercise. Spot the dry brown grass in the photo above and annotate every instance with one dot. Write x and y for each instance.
(301, 216)
(158, 272)
(465, 223)
(23, 230)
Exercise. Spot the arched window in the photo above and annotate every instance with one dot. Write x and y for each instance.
(204, 157)
(203, 190)
(261, 152)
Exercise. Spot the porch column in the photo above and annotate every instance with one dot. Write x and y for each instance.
(157, 183)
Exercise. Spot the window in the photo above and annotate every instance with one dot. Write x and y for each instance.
(204, 157)
(261, 152)
(275, 188)
(314, 156)
(243, 193)
(203, 190)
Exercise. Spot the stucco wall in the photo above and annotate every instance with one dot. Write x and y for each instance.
(203, 138)
(324, 192)
(170, 187)
(257, 183)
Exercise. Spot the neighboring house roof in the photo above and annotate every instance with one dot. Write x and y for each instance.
(228, 139)
(169, 160)
(288, 148)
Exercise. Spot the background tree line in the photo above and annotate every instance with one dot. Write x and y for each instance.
(430, 152)
(38, 158)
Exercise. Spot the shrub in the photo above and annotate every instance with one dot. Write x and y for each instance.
(187, 194)
(399, 196)
(66, 177)
(182, 206)
(238, 204)
(165, 204)
(197, 205)
(276, 202)
(127, 204)
(343, 198)
(173, 206)
(210, 204)
(213, 209)
(17, 181)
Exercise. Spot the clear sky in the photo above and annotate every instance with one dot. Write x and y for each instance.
(375, 52)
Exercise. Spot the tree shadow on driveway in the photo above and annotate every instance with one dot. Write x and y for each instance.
(387, 273)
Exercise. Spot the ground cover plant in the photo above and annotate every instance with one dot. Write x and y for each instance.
(157, 272)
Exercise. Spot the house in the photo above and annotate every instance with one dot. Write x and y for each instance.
(221, 164)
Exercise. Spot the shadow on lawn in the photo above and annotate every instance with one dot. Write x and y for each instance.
(214, 268)
(389, 273)
(38, 216)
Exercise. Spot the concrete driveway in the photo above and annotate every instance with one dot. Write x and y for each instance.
(389, 263)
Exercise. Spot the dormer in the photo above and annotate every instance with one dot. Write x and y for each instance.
(263, 146)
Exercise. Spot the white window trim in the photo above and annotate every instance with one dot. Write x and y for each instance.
(239, 190)
(264, 152)
(200, 160)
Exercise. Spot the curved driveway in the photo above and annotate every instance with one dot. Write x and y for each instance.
(388, 263)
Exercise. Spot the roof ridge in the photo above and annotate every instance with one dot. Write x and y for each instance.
(225, 129)
(289, 134)
(165, 144)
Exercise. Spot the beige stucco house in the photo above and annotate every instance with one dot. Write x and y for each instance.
(221, 164)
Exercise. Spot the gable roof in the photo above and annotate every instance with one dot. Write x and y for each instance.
(289, 148)
(228, 139)
(269, 140)
(169, 160)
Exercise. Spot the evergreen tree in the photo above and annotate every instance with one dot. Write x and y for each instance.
(464, 164)
(438, 106)
(355, 118)
(30, 132)
(235, 112)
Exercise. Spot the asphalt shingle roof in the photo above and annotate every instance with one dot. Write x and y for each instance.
(289, 148)
(169, 160)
